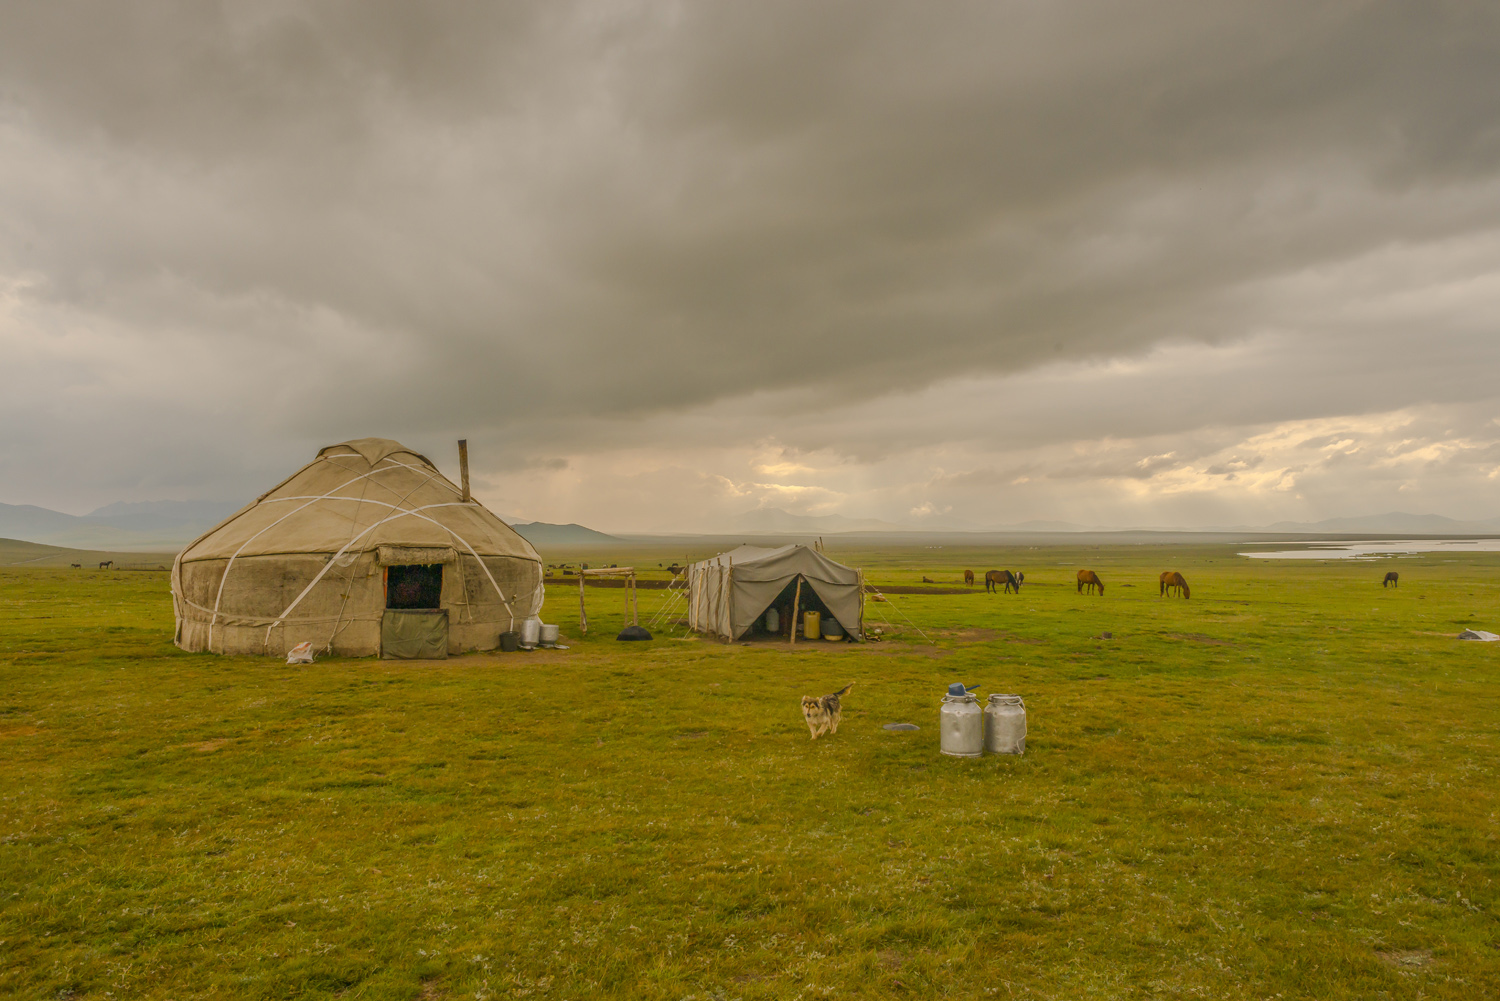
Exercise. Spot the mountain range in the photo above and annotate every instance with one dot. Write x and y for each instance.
(154, 526)
(163, 525)
(143, 526)
(776, 521)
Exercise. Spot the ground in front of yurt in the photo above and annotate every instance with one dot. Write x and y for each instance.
(1284, 786)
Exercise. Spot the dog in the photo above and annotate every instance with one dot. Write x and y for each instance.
(823, 715)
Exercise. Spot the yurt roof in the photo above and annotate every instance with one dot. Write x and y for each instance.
(355, 496)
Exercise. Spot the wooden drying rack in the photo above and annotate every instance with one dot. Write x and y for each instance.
(632, 599)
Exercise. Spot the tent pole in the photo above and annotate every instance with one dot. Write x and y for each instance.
(796, 600)
(861, 603)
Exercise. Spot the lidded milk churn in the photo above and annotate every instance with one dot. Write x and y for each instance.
(961, 722)
(1005, 725)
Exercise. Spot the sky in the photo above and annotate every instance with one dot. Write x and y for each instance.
(941, 264)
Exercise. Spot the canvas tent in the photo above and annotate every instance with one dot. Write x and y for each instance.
(367, 550)
(729, 593)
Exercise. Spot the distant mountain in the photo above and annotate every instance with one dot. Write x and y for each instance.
(775, 520)
(32, 524)
(195, 517)
(146, 525)
(541, 533)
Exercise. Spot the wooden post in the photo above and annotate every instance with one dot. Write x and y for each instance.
(463, 466)
(796, 600)
(583, 615)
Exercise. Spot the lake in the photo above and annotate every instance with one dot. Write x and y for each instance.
(1378, 550)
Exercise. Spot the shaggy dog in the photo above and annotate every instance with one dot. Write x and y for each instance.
(823, 714)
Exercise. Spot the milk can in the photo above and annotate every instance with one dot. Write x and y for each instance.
(961, 723)
(1005, 725)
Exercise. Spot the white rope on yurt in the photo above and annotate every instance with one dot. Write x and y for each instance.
(407, 512)
(219, 596)
(333, 633)
(334, 559)
(429, 474)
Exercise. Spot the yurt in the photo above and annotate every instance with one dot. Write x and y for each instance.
(367, 550)
(754, 591)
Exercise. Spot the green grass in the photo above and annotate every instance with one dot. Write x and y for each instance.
(1283, 788)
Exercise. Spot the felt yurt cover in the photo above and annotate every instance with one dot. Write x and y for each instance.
(310, 561)
(727, 593)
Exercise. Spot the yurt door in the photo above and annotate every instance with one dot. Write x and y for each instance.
(414, 625)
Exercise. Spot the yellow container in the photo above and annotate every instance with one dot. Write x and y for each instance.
(812, 625)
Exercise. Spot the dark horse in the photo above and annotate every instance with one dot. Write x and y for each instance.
(1003, 577)
(969, 578)
(1171, 579)
(1392, 579)
(1089, 579)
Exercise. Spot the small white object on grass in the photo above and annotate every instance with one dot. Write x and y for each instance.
(300, 654)
(1478, 634)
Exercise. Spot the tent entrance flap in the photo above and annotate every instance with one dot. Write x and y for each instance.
(807, 601)
(412, 587)
(415, 634)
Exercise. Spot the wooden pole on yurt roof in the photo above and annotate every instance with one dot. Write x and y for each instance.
(463, 466)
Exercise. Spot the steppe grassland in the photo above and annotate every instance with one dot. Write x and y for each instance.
(1285, 786)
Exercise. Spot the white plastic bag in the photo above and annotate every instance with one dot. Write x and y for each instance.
(300, 654)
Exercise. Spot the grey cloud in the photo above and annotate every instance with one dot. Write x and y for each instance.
(571, 228)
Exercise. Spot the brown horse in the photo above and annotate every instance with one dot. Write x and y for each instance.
(1171, 579)
(1091, 580)
(1393, 579)
(969, 578)
(1003, 577)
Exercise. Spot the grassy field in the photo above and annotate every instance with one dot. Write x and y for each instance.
(1285, 787)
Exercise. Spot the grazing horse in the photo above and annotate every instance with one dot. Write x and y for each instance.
(1171, 579)
(969, 578)
(1003, 577)
(76, 566)
(1091, 580)
(107, 564)
(675, 570)
(1393, 579)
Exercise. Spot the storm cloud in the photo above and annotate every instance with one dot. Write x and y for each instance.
(837, 258)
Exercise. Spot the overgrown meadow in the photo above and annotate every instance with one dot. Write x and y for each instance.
(1284, 787)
